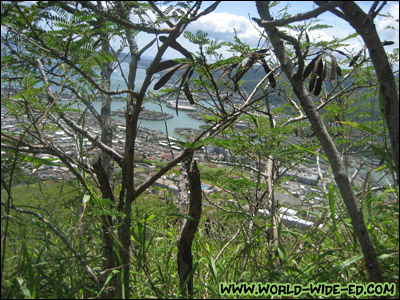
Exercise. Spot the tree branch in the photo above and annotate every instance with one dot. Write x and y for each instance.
(73, 125)
(299, 17)
(329, 147)
(123, 23)
(333, 10)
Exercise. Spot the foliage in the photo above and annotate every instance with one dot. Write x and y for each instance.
(252, 117)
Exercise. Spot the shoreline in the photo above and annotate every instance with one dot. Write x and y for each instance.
(148, 115)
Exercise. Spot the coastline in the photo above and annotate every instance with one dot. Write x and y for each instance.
(148, 115)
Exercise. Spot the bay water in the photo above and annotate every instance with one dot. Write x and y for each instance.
(180, 120)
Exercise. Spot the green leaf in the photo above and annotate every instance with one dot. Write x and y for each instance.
(213, 269)
(385, 156)
(31, 274)
(380, 168)
(319, 26)
(340, 268)
(24, 287)
(86, 198)
(282, 252)
(149, 218)
(360, 127)
(351, 36)
(37, 162)
(111, 275)
(312, 152)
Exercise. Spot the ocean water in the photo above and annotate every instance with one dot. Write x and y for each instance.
(118, 82)
(180, 120)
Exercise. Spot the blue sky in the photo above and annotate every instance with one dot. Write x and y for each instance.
(235, 14)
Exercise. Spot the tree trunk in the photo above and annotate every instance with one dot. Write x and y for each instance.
(274, 216)
(365, 26)
(356, 215)
(104, 168)
(186, 236)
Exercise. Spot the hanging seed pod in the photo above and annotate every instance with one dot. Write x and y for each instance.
(311, 85)
(317, 71)
(357, 56)
(187, 74)
(338, 71)
(323, 75)
(308, 46)
(320, 72)
(319, 68)
(165, 65)
(185, 84)
(354, 59)
(188, 94)
(387, 43)
(243, 71)
(227, 71)
(268, 70)
(163, 80)
(333, 67)
(310, 67)
(318, 86)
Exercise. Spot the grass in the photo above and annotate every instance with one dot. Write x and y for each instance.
(39, 265)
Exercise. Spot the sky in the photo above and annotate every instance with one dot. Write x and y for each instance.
(236, 15)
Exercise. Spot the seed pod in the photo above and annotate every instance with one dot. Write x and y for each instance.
(165, 65)
(333, 67)
(316, 73)
(357, 56)
(318, 86)
(310, 67)
(163, 80)
(227, 71)
(308, 46)
(268, 70)
(188, 94)
(243, 71)
(387, 43)
(320, 73)
(323, 75)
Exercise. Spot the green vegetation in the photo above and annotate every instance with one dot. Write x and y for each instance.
(83, 214)
(38, 264)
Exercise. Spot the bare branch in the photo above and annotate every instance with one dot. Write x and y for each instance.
(325, 6)
(372, 12)
(124, 23)
(333, 10)
(73, 125)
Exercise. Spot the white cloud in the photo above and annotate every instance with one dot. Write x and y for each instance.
(222, 25)
(383, 24)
